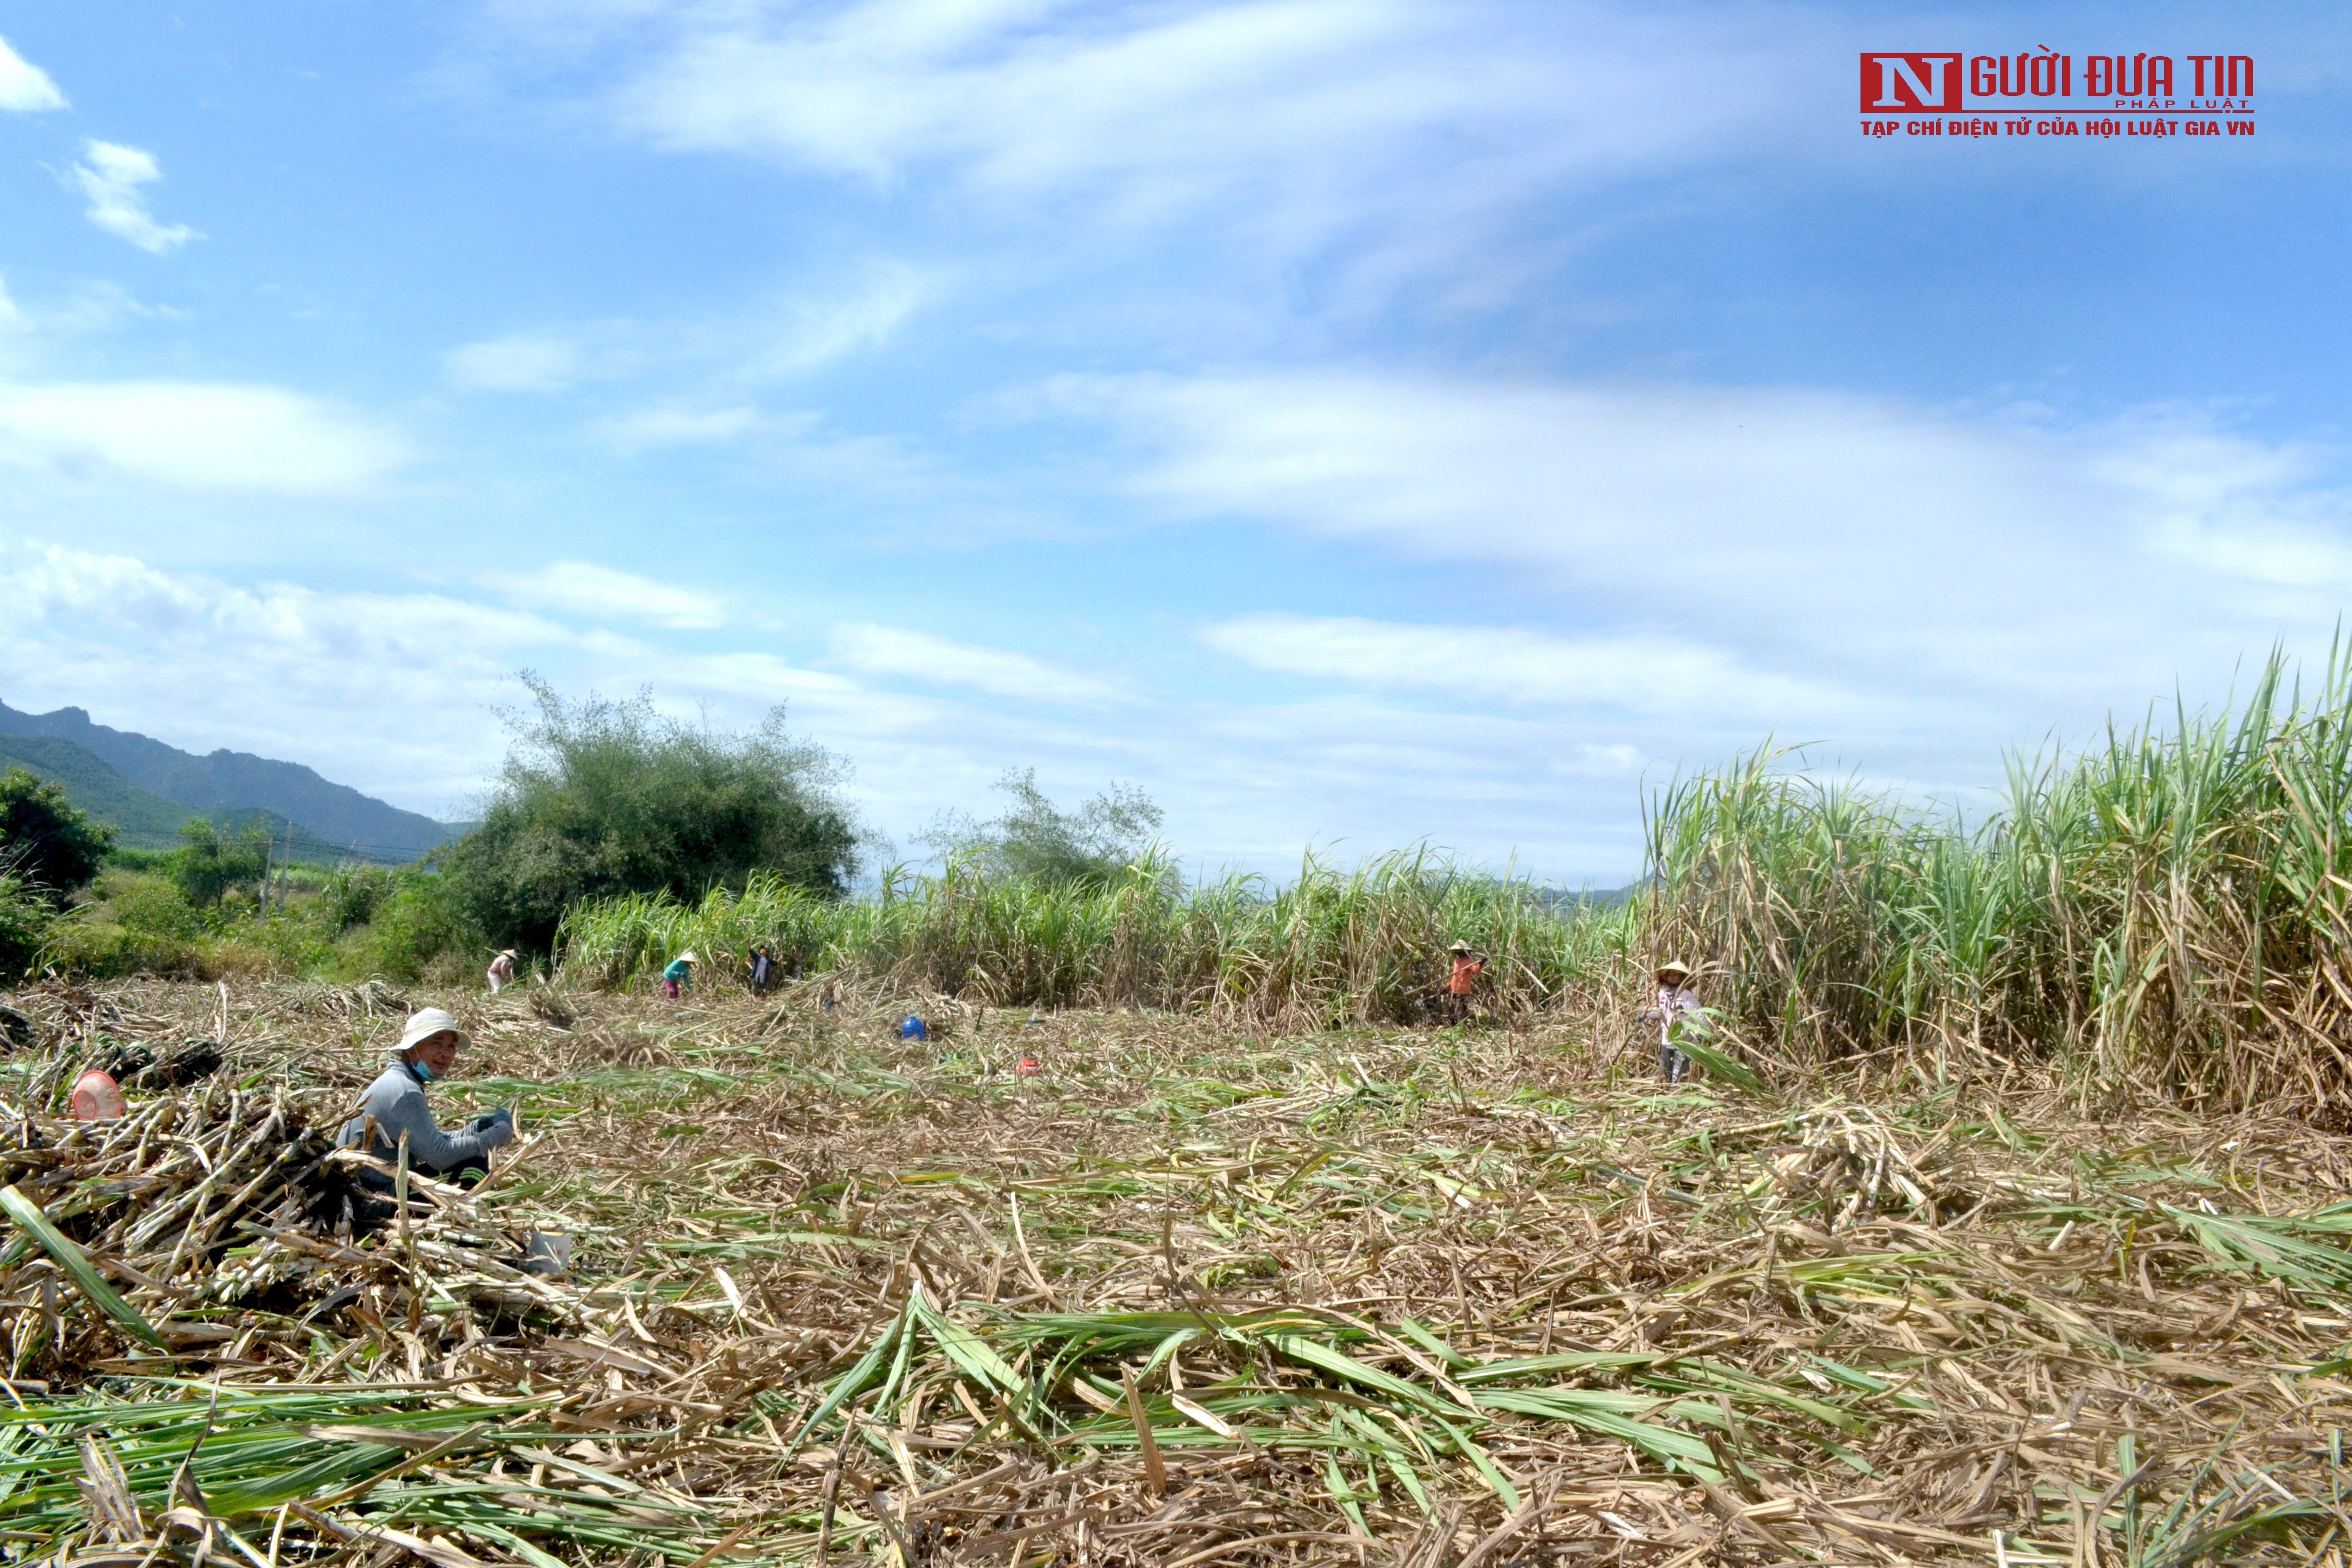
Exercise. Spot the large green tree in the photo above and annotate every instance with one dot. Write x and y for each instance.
(602, 797)
(51, 847)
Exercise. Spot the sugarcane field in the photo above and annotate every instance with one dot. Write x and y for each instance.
(1174, 784)
(765, 1282)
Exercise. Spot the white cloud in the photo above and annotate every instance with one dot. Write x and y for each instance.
(12, 319)
(1599, 762)
(26, 87)
(395, 691)
(652, 427)
(1870, 544)
(1401, 144)
(389, 693)
(900, 650)
(1479, 667)
(811, 330)
(587, 589)
(782, 335)
(1036, 93)
(111, 177)
(195, 436)
(523, 362)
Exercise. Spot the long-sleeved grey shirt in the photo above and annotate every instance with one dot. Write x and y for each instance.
(397, 1102)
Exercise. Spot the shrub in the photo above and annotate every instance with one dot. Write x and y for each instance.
(605, 798)
(1036, 841)
(25, 922)
(208, 866)
(350, 895)
(151, 905)
(51, 847)
(127, 858)
(421, 919)
(107, 950)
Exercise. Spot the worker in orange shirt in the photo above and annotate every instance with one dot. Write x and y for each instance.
(1467, 966)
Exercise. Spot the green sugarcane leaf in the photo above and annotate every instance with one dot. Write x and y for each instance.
(34, 1223)
(1413, 1330)
(512, 1543)
(1166, 1348)
(1718, 1065)
(1399, 1462)
(1324, 1358)
(1342, 1493)
(1597, 1410)
(1495, 1480)
(977, 1361)
(1567, 1361)
(858, 1377)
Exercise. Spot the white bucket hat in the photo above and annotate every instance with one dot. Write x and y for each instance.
(427, 1022)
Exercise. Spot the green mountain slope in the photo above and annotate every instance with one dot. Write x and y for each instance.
(140, 820)
(238, 781)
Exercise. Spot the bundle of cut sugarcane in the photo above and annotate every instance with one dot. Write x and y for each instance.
(152, 1230)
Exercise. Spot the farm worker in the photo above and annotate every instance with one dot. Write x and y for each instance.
(395, 1104)
(1677, 999)
(763, 970)
(679, 975)
(98, 1097)
(1467, 967)
(502, 971)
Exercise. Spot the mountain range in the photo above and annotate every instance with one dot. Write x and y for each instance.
(146, 790)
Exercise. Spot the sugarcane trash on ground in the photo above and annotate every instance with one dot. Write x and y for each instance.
(838, 1294)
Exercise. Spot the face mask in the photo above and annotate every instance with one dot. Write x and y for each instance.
(422, 1071)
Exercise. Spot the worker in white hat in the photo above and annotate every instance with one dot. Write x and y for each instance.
(502, 971)
(679, 975)
(395, 1104)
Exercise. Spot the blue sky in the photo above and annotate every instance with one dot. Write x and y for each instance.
(1351, 422)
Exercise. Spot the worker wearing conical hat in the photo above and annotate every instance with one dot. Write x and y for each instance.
(679, 975)
(1468, 964)
(502, 971)
(1677, 999)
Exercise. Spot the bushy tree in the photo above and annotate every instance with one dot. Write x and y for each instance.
(1036, 840)
(49, 847)
(206, 866)
(603, 797)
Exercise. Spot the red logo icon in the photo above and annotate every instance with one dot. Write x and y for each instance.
(1910, 84)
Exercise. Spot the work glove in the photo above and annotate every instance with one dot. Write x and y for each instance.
(497, 1129)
